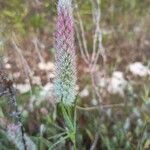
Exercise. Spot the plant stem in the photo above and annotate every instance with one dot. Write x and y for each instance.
(70, 121)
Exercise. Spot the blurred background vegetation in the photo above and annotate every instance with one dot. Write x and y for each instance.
(126, 38)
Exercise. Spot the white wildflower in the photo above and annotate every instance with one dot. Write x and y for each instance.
(8, 66)
(36, 80)
(117, 83)
(139, 69)
(46, 66)
(84, 93)
(23, 88)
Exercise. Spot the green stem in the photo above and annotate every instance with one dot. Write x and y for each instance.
(70, 121)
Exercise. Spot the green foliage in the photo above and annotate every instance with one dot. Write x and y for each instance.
(121, 128)
(22, 16)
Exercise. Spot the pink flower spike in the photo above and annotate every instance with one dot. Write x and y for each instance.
(65, 66)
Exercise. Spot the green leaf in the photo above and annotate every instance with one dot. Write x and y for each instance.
(59, 141)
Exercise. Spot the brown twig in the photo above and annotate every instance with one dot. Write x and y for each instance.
(97, 107)
(98, 48)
